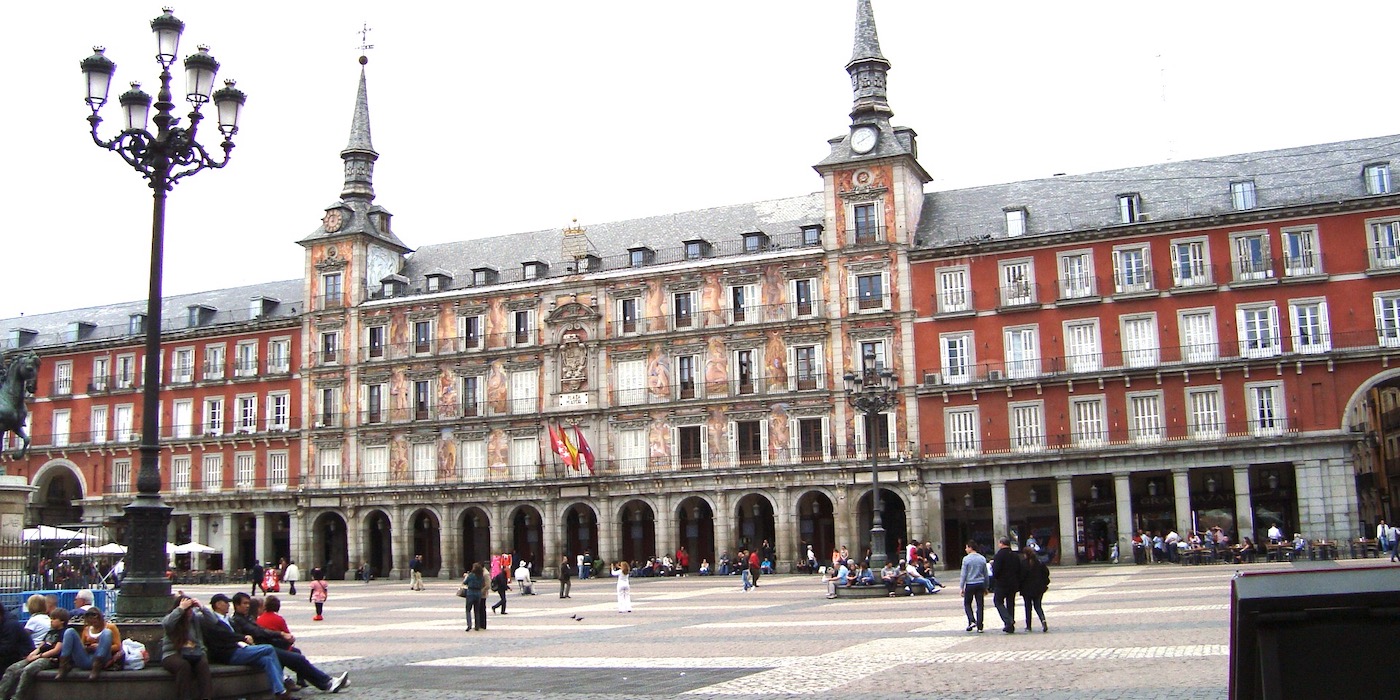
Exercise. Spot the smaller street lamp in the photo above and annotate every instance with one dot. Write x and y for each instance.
(873, 392)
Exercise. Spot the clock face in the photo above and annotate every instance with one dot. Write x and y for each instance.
(863, 139)
(332, 221)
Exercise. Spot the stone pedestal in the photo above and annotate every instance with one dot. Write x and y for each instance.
(14, 498)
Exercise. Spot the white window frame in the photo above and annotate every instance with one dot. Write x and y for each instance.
(691, 318)
(121, 476)
(180, 473)
(620, 309)
(1205, 413)
(734, 458)
(472, 398)
(532, 332)
(1251, 258)
(212, 420)
(1129, 208)
(1258, 329)
(422, 462)
(279, 411)
(247, 413)
(676, 458)
(1016, 282)
(1021, 345)
(474, 468)
(1302, 256)
(1015, 221)
(101, 373)
(797, 456)
(375, 470)
(1195, 270)
(1027, 422)
(1383, 236)
(1267, 411)
(1088, 421)
(956, 351)
(879, 347)
(524, 458)
(328, 467)
(632, 452)
(1146, 421)
(816, 371)
(471, 343)
(1377, 178)
(1199, 334)
(1076, 272)
(524, 391)
(245, 359)
(1132, 268)
(245, 471)
(755, 365)
(1243, 195)
(124, 371)
(62, 427)
(1141, 345)
(63, 377)
(122, 429)
(863, 445)
(1083, 346)
(631, 382)
(794, 306)
(954, 289)
(182, 419)
(752, 306)
(1387, 307)
(212, 472)
(962, 434)
(877, 219)
(97, 425)
(279, 356)
(856, 303)
(214, 362)
(697, 376)
(182, 365)
(278, 469)
(1309, 326)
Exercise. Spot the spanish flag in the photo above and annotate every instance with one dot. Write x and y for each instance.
(558, 441)
(572, 458)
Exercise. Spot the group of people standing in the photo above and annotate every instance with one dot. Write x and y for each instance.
(1010, 572)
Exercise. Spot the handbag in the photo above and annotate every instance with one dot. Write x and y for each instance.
(462, 591)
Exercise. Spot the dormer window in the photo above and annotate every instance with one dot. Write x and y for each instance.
(535, 269)
(755, 242)
(258, 307)
(199, 315)
(640, 257)
(438, 280)
(483, 276)
(588, 263)
(811, 235)
(1129, 208)
(434, 283)
(1377, 177)
(1015, 221)
(1242, 195)
(136, 324)
(697, 249)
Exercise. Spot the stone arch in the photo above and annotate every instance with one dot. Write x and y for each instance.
(816, 524)
(579, 523)
(636, 522)
(329, 545)
(894, 508)
(378, 551)
(426, 530)
(755, 520)
(695, 530)
(1359, 394)
(526, 542)
(60, 485)
(475, 525)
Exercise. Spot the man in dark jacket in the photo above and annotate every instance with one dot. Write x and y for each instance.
(281, 642)
(15, 640)
(228, 647)
(256, 573)
(1006, 580)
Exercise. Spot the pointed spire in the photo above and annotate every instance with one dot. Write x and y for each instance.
(868, 69)
(359, 154)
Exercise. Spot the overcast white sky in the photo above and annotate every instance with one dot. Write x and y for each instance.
(493, 118)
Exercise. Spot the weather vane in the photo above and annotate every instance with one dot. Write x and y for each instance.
(364, 38)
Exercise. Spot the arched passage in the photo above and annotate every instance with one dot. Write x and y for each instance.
(476, 538)
(638, 536)
(60, 489)
(427, 541)
(528, 538)
(580, 530)
(328, 546)
(695, 530)
(816, 525)
(893, 518)
(754, 515)
(379, 544)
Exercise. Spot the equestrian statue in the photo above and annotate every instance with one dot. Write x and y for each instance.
(18, 377)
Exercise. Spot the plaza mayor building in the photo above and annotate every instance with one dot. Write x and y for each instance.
(1176, 346)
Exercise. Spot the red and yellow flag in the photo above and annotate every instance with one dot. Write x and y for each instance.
(572, 458)
(584, 450)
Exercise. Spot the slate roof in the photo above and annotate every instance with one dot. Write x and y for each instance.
(1177, 190)
(113, 320)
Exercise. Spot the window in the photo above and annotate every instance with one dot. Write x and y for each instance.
(690, 446)
(471, 396)
(870, 291)
(1077, 276)
(803, 301)
(376, 467)
(632, 451)
(247, 414)
(533, 270)
(1190, 266)
(213, 476)
(1129, 208)
(469, 332)
(627, 315)
(1242, 195)
(101, 374)
(1087, 427)
(1198, 339)
(121, 424)
(1300, 252)
(375, 341)
(422, 337)
(953, 294)
(277, 471)
(524, 458)
(330, 408)
(279, 411)
(63, 378)
(62, 424)
(755, 242)
(631, 382)
(866, 225)
(180, 474)
(1258, 330)
(694, 250)
(423, 462)
(1022, 352)
(743, 303)
(683, 309)
(750, 437)
(474, 460)
(483, 276)
(811, 235)
(136, 324)
(121, 476)
(1017, 283)
(98, 424)
(1265, 409)
(961, 427)
(639, 257)
(812, 440)
(1015, 222)
(328, 466)
(806, 367)
(1252, 256)
(434, 282)
(1377, 178)
(1204, 420)
(244, 471)
(1140, 348)
(213, 416)
(245, 362)
(330, 347)
(213, 362)
(1145, 418)
(126, 371)
(882, 439)
(422, 400)
(1388, 319)
(747, 363)
(330, 284)
(1310, 329)
(279, 354)
(182, 366)
(685, 376)
(956, 351)
(374, 403)
(1131, 273)
(183, 415)
(523, 326)
(871, 348)
(1027, 427)
(1082, 346)
(1385, 244)
(524, 391)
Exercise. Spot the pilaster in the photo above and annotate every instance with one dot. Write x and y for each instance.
(1181, 489)
(933, 515)
(1123, 496)
(1001, 520)
(1244, 506)
(1069, 537)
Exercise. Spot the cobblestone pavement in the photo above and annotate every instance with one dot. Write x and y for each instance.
(1131, 632)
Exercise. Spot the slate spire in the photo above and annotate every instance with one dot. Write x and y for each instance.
(868, 69)
(359, 154)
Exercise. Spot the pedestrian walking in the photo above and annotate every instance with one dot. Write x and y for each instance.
(415, 568)
(1033, 586)
(256, 574)
(293, 573)
(623, 573)
(1006, 581)
(475, 583)
(500, 583)
(565, 577)
(320, 590)
(972, 583)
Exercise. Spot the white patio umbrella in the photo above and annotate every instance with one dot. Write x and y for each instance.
(193, 548)
(49, 532)
(109, 548)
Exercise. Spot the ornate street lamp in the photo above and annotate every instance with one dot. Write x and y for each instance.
(163, 158)
(873, 392)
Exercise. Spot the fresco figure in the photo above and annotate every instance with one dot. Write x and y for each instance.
(659, 442)
(712, 301)
(497, 388)
(715, 427)
(658, 373)
(398, 458)
(775, 294)
(775, 359)
(716, 367)
(447, 458)
(498, 454)
(779, 434)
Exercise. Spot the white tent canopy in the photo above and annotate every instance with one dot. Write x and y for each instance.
(84, 551)
(193, 548)
(48, 532)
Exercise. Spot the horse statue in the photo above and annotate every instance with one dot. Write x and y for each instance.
(19, 377)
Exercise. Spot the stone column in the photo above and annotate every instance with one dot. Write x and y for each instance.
(1181, 487)
(550, 546)
(450, 532)
(223, 540)
(1123, 494)
(841, 521)
(401, 535)
(724, 525)
(500, 529)
(606, 548)
(354, 541)
(933, 500)
(918, 512)
(1001, 518)
(199, 532)
(1069, 537)
(1244, 507)
(665, 524)
(787, 536)
(261, 547)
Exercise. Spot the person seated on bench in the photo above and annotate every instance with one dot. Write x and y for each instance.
(21, 673)
(865, 577)
(82, 600)
(15, 641)
(182, 650)
(912, 578)
(93, 647)
(281, 643)
(892, 577)
(228, 647)
(841, 577)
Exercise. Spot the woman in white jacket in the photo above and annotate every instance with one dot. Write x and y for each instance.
(623, 572)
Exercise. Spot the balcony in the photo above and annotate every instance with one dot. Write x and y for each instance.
(1134, 281)
(61, 387)
(100, 385)
(246, 368)
(867, 234)
(1247, 270)
(1019, 295)
(956, 301)
(1303, 265)
(1114, 440)
(215, 371)
(279, 366)
(1193, 276)
(1078, 287)
(696, 389)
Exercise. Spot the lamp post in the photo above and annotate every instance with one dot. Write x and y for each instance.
(872, 392)
(163, 158)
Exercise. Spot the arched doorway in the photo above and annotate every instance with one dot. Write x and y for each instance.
(245, 544)
(816, 525)
(695, 530)
(527, 540)
(59, 492)
(580, 531)
(638, 535)
(427, 541)
(892, 518)
(379, 544)
(476, 538)
(328, 546)
(755, 517)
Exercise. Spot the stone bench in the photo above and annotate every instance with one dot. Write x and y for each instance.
(150, 683)
(877, 591)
